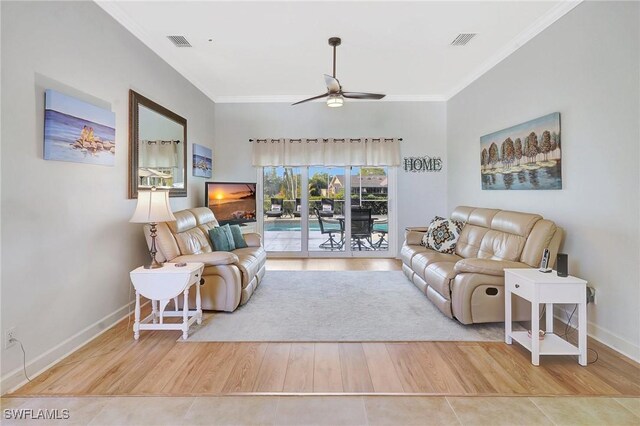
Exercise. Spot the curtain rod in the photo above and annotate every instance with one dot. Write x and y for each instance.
(326, 139)
(162, 142)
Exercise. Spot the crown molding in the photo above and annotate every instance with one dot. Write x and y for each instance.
(163, 50)
(520, 40)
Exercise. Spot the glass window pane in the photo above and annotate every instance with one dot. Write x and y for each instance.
(369, 199)
(281, 195)
(326, 209)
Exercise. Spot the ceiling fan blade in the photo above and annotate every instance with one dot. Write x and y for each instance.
(324, 95)
(333, 85)
(360, 95)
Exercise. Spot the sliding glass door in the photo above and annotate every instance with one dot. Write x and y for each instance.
(370, 209)
(322, 211)
(282, 193)
(326, 231)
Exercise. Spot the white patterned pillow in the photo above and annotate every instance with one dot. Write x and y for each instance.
(443, 235)
(425, 237)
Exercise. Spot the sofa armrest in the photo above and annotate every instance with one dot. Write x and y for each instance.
(486, 266)
(253, 239)
(214, 258)
(413, 237)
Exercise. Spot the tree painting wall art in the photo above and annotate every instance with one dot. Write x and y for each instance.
(526, 156)
(78, 131)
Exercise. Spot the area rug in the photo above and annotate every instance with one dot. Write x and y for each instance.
(346, 306)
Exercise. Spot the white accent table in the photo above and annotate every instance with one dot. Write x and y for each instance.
(160, 285)
(548, 288)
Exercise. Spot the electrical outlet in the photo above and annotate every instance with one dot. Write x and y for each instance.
(591, 295)
(9, 336)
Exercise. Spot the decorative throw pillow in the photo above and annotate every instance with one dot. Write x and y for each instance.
(443, 234)
(238, 238)
(222, 239)
(425, 237)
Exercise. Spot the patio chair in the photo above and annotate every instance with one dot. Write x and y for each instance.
(297, 209)
(361, 228)
(330, 229)
(327, 207)
(276, 208)
(382, 229)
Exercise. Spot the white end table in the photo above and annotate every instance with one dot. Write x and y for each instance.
(548, 288)
(160, 285)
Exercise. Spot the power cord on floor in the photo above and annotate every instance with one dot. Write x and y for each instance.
(122, 333)
(24, 354)
(24, 357)
(569, 328)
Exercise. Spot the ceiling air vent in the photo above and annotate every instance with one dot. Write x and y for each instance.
(462, 39)
(179, 41)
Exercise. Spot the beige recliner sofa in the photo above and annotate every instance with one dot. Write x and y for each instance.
(469, 285)
(230, 278)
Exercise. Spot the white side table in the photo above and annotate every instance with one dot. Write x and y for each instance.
(160, 286)
(538, 287)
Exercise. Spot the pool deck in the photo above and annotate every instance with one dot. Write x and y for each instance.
(291, 241)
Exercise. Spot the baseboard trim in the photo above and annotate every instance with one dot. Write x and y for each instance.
(602, 335)
(15, 379)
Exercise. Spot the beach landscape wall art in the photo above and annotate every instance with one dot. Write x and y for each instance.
(526, 156)
(202, 161)
(78, 131)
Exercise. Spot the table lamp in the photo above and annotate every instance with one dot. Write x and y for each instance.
(152, 208)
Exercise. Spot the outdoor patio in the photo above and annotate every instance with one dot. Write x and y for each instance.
(284, 234)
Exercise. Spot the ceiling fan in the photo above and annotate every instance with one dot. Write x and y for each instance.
(335, 95)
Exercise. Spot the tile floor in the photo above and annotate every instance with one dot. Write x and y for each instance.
(329, 410)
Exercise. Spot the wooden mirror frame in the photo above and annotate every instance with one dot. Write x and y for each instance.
(136, 99)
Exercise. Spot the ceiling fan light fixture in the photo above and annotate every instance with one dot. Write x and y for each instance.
(335, 101)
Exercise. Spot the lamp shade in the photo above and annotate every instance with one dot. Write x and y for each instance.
(153, 207)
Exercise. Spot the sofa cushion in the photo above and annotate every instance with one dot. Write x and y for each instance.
(205, 219)
(249, 267)
(474, 216)
(193, 241)
(222, 239)
(257, 253)
(514, 222)
(420, 261)
(468, 244)
(185, 220)
(439, 275)
(443, 235)
(408, 251)
(501, 246)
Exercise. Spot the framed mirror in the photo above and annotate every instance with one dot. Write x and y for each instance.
(157, 147)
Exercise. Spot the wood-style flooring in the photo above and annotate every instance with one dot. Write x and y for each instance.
(159, 364)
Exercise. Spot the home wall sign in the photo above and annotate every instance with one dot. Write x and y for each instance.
(422, 164)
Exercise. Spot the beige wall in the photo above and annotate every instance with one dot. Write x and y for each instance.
(66, 242)
(587, 67)
(422, 125)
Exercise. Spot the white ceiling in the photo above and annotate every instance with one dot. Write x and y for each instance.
(278, 51)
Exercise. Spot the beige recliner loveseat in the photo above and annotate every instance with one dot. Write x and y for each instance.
(469, 285)
(229, 277)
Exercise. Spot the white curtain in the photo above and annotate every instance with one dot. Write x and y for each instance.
(326, 152)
